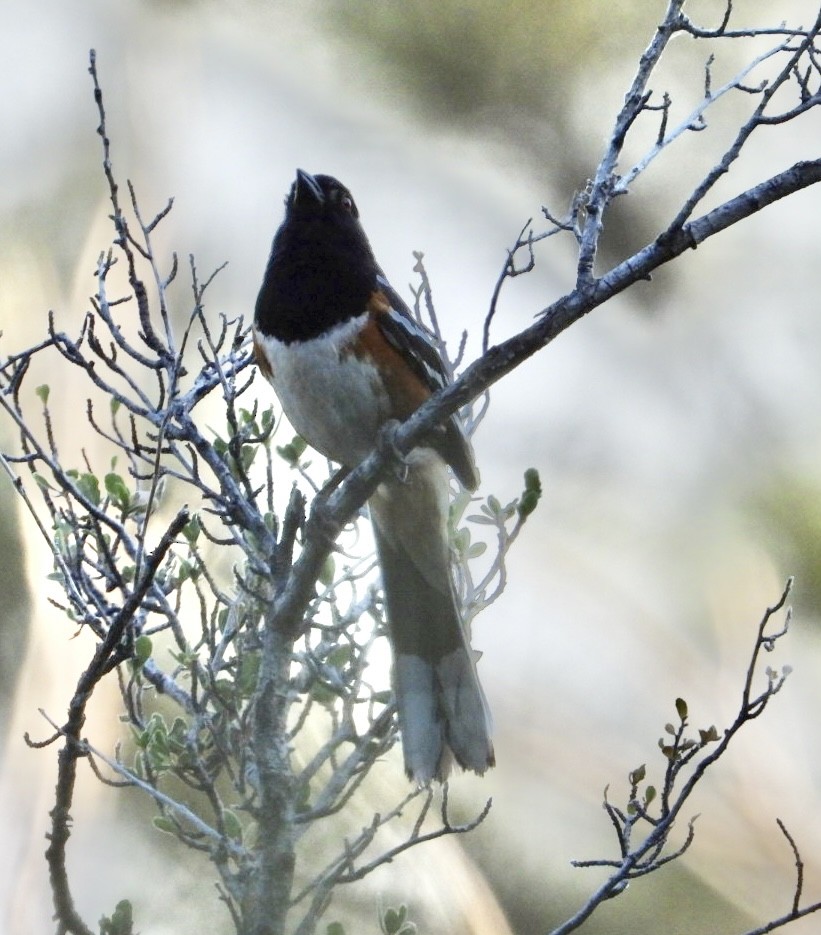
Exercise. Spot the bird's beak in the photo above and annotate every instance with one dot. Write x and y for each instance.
(306, 188)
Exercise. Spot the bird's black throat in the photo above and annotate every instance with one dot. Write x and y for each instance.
(321, 273)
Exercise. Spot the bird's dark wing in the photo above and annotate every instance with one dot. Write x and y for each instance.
(418, 349)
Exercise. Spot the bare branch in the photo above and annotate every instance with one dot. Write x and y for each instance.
(799, 866)
(648, 855)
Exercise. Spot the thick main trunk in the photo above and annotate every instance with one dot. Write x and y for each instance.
(268, 891)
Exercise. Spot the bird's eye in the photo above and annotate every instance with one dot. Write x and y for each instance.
(347, 203)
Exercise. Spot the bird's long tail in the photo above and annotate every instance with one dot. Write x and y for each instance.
(443, 714)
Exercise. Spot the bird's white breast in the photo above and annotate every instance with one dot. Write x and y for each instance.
(333, 399)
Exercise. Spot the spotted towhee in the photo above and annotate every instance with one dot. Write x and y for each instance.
(345, 355)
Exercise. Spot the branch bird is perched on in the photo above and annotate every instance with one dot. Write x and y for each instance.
(345, 356)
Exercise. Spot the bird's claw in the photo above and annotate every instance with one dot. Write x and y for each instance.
(387, 447)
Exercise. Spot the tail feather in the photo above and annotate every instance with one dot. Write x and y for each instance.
(443, 714)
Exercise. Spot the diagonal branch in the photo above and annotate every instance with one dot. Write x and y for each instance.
(329, 514)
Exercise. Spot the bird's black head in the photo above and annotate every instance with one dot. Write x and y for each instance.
(322, 270)
(319, 195)
(321, 218)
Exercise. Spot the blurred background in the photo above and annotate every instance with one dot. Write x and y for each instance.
(677, 430)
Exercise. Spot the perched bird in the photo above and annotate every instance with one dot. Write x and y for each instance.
(344, 356)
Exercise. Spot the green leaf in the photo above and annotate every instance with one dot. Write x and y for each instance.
(340, 656)
(142, 650)
(327, 572)
(681, 708)
(179, 729)
(457, 508)
(393, 920)
(322, 694)
(121, 921)
(89, 487)
(156, 723)
(232, 825)
(532, 493)
(42, 391)
(161, 823)
(246, 455)
(250, 835)
(140, 737)
(42, 482)
(293, 451)
(248, 674)
(158, 743)
(477, 549)
(225, 688)
(527, 504)
(637, 775)
(192, 529)
(288, 453)
(533, 481)
(649, 794)
(481, 520)
(118, 491)
(335, 928)
(115, 405)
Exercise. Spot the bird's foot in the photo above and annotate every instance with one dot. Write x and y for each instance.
(386, 446)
